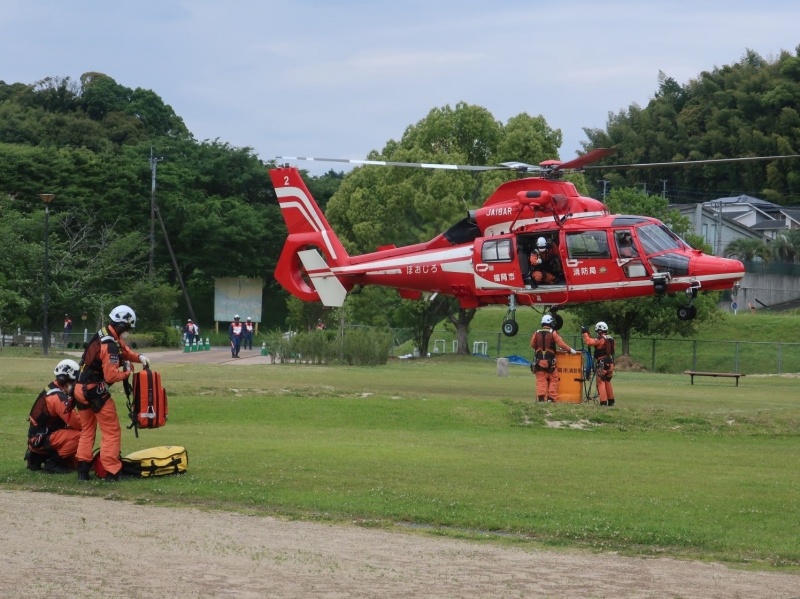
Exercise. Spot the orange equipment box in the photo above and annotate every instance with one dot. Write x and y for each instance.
(570, 373)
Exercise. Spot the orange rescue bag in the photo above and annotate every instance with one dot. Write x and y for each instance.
(148, 406)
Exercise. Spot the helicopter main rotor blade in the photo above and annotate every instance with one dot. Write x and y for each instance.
(691, 162)
(588, 158)
(451, 167)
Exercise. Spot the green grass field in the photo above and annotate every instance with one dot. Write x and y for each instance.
(708, 471)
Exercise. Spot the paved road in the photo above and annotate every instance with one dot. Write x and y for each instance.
(216, 355)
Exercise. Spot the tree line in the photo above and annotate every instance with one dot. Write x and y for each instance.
(89, 142)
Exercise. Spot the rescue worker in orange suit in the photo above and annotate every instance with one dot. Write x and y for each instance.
(545, 263)
(544, 342)
(235, 333)
(54, 429)
(107, 360)
(249, 329)
(604, 360)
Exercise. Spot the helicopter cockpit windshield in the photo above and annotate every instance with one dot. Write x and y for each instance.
(664, 248)
(658, 238)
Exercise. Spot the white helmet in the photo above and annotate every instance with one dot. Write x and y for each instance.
(124, 314)
(67, 368)
(547, 320)
(249, 319)
(601, 326)
(236, 317)
(541, 243)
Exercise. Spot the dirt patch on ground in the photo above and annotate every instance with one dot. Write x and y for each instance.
(625, 363)
(86, 547)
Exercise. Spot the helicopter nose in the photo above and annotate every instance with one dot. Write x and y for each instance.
(716, 273)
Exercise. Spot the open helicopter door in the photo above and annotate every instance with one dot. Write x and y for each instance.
(497, 265)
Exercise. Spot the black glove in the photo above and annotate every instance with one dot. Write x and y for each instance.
(584, 329)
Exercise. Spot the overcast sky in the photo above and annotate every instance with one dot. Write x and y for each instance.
(338, 79)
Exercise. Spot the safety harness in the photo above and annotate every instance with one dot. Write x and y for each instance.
(43, 424)
(604, 356)
(91, 372)
(544, 348)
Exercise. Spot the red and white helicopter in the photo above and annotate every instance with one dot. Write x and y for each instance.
(483, 259)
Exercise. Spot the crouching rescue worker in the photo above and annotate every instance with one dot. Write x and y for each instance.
(54, 427)
(604, 360)
(544, 342)
(106, 361)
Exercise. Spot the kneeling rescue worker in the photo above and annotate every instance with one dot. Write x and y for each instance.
(55, 429)
(544, 342)
(106, 361)
(604, 358)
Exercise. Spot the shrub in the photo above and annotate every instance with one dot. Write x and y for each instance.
(140, 340)
(367, 347)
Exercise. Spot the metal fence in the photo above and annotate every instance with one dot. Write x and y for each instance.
(657, 355)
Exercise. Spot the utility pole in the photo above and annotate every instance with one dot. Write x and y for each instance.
(664, 189)
(605, 186)
(154, 160)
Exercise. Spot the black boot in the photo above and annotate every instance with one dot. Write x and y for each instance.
(540, 398)
(610, 401)
(603, 403)
(550, 399)
(83, 470)
(55, 465)
(35, 460)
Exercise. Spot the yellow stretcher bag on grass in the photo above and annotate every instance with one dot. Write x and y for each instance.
(156, 461)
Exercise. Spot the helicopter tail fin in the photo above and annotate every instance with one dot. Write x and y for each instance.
(312, 247)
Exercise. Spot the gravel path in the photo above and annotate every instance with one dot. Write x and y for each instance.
(59, 546)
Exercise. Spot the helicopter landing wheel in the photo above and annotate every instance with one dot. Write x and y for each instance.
(510, 328)
(558, 321)
(687, 312)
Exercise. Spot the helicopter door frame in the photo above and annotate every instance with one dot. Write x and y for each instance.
(495, 263)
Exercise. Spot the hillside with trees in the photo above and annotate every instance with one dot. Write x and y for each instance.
(89, 142)
(749, 108)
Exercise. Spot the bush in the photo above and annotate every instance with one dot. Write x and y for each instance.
(167, 336)
(140, 340)
(361, 347)
(367, 347)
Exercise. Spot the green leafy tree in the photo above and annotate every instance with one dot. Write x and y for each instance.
(748, 250)
(378, 206)
(748, 108)
(787, 245)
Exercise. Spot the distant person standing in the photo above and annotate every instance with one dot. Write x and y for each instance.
(196, 332)
(249, 330)
(67, 327)
(544, 342)
(235, 333)
(604, 360)
(188, 332)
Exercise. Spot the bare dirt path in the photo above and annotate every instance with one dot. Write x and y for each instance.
(86, 547)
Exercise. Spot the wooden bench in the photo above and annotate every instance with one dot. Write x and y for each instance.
(693, 373)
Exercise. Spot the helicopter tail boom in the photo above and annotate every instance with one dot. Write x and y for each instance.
(312, 248)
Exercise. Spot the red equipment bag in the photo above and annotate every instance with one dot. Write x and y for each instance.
(148, 405)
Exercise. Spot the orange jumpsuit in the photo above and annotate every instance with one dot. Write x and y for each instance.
(63, 440)
(103, 364)
(547, 378)
(604, 354)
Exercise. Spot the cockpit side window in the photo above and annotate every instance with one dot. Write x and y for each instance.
(625, 247)
(588, 244)
(496, 250)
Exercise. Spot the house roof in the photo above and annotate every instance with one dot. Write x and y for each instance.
(709, 212)
(769, 225)
(745, 199)
(792, 214)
